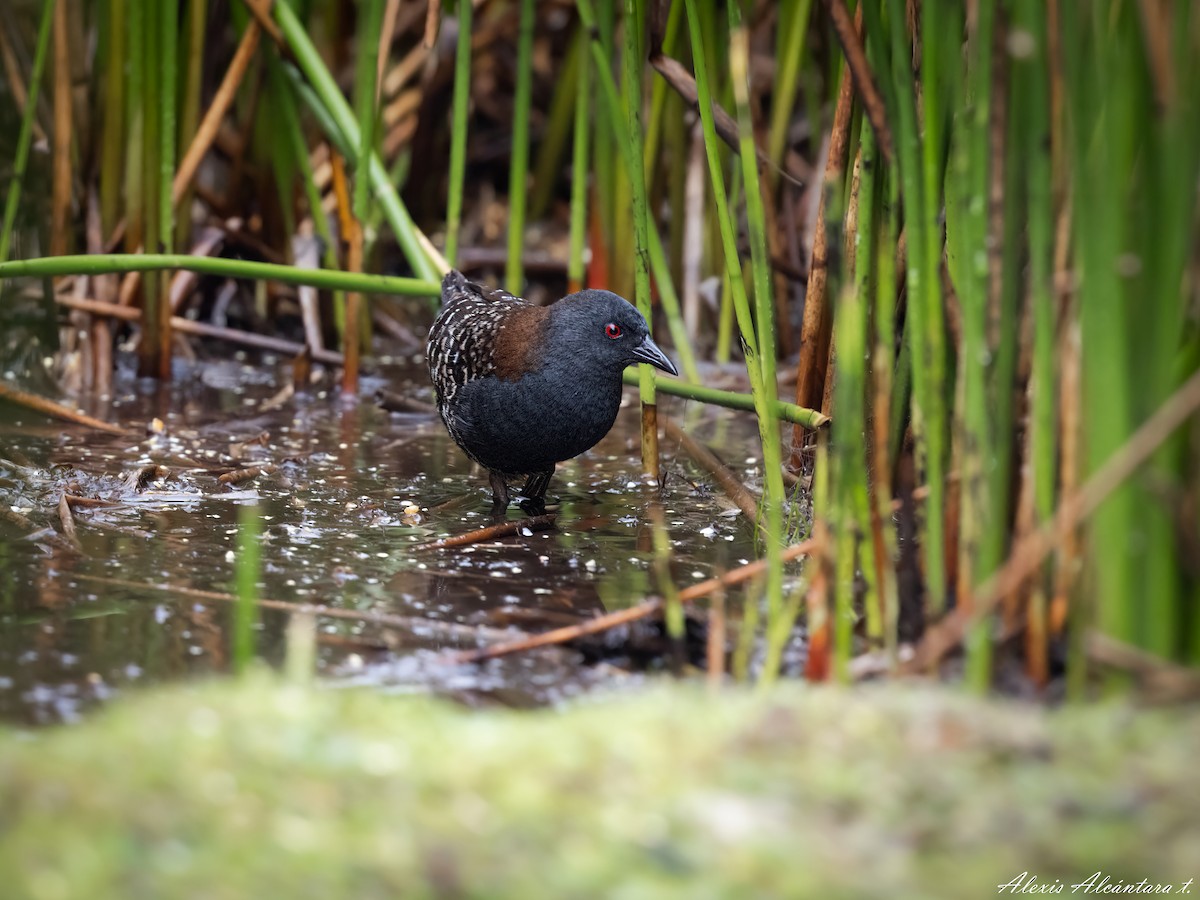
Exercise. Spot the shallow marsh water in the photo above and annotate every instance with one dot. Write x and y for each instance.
(355, 492)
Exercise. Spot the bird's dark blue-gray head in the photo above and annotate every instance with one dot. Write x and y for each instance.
(603, 330)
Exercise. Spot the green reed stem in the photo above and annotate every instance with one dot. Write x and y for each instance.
(152, 109)
(673, 615)
(168, 124)
(882, 368)
(743, 651)
(725, 320)
(712, 146)
(1133, 129)
(1031, 104)
(621, 246)
(559, 122)
(676, 143)
(155, 317)
(1099, 237)
(850, 435)
(1166, 243)
(607, 147)
(901, 392)
(762, 374)
(341, 119)
(925, 323)
(458, 130)
(579, 167)
(397, 174)
(25, 136)
(1005, 299)
(285, 98)
(366, 99)
(103, 264)
(289, 115)
(723, 349)
(112, 151)
(768, 423)
(785, 411)
(779, 632)
(817, 610)
(518, 173)
(671, 308)
(247, 569)
(1169, 248)
(615, 112)
(789, 55)
(317, 109)
(193, 75)
(134, 175)
(659, 92)
(641, 227)
(192, 42)
(967, 227)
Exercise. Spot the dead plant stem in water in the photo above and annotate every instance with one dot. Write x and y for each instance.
(492, 532)
(55, 410)
(413, 624)
(643, 610)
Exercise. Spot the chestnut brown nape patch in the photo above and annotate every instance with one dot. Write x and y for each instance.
(519, 341)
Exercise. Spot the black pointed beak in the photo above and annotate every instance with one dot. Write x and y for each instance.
(648, 352)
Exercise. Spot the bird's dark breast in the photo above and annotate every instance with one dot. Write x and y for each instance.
(528, 425)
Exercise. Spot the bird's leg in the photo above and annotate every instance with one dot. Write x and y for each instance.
(534, 492)
(499, 493)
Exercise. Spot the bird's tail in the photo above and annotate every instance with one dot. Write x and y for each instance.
(454, 281)
(454, 286)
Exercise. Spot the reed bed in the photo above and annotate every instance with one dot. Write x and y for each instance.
(970, 230)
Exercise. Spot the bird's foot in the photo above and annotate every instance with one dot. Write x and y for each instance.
(533, 506)
(533, 495)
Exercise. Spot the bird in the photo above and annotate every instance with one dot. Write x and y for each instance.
(522, 387)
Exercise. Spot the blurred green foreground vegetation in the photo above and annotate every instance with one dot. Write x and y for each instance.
(968, 231)
(258, 790)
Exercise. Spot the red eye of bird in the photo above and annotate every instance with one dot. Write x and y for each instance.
(613, 330)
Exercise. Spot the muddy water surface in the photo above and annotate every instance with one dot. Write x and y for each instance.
(355, 493)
